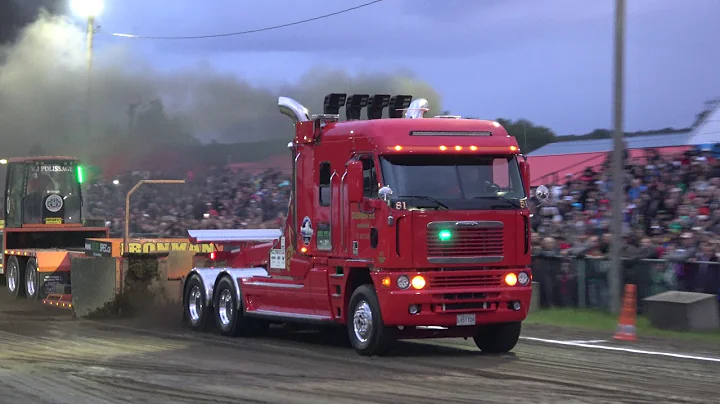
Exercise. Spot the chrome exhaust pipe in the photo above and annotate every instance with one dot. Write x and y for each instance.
(293, 109)
(417, 109)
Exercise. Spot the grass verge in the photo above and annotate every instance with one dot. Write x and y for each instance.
(602, 321)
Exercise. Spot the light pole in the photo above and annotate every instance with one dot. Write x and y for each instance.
(618, 160)
(88, 9)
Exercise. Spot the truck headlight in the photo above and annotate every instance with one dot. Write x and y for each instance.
(523, 278)
(403, 282)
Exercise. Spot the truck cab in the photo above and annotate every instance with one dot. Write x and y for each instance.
(42, 219)
(398, 227)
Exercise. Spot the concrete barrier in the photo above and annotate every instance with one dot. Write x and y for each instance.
(683, 311)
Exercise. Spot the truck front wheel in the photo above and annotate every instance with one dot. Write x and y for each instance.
(368, 333)
(498, 338)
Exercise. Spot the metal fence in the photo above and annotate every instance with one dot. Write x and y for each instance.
(583, 282)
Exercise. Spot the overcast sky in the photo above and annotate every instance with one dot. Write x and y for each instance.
(546, 60)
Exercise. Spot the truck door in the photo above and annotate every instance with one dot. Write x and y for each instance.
(363, 223)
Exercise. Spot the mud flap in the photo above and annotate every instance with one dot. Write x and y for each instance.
(95, 282)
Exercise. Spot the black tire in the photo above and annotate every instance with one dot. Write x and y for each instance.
(197, 313)
(32, 280)
(380, 338)
(15, 277)
(498, 338)
(230, 315)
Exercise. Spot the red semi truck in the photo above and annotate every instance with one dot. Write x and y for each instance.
(398, 228)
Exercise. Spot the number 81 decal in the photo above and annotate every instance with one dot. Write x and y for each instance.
(399, 205)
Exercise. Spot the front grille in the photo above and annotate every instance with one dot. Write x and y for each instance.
(474, 306)
(467, 239)
(465, 281)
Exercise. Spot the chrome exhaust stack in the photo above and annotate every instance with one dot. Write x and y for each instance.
(293, 109)
(417, 109)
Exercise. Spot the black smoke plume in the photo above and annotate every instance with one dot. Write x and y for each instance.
(44, 85)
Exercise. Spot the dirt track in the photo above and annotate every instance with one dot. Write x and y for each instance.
(47, 357)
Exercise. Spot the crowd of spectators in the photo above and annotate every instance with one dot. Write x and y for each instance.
(672, 207)
(218, 198)
(671, 212)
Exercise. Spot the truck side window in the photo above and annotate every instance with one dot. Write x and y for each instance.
(325, 193)
(369, 177)
(15, 195)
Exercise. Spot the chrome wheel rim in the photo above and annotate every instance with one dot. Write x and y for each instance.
(226, 308)
(195, 304)
(30, 276)
(362, 321)
(12, 280)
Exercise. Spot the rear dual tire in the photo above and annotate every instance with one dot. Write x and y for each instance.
(32, 280)
(230, 315)
(197, 313)
(15, 278)
(23, 281)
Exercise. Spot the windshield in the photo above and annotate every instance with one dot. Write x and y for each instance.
(456, 181)
(52, 194)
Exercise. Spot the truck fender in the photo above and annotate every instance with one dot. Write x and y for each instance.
(357, 276)
(234, 274)
(208, 278)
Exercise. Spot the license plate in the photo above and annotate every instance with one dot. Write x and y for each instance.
(465, 319)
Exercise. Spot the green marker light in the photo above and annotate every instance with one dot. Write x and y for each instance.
(444, 235)
(80, 175)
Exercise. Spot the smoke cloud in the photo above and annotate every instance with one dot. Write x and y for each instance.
(44, 85)
(16, 14)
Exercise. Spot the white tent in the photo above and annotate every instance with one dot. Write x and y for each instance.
(708, 131)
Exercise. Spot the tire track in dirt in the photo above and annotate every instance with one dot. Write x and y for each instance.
(80, 361)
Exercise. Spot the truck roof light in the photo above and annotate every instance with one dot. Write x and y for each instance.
(376, 104)
(333, 102)
(443, 148)
(473, 148)
(398, 105)
(513, 148)
(354, 105)
(398, 148)
(458, 148)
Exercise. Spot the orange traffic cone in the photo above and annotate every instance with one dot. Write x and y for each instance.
(626, 326)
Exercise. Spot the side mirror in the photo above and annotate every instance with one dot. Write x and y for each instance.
(542, 193)
(525, 174)
(354, 180)
(385, 193)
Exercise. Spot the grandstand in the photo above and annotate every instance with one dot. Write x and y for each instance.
(708, 132)
(555, 161)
